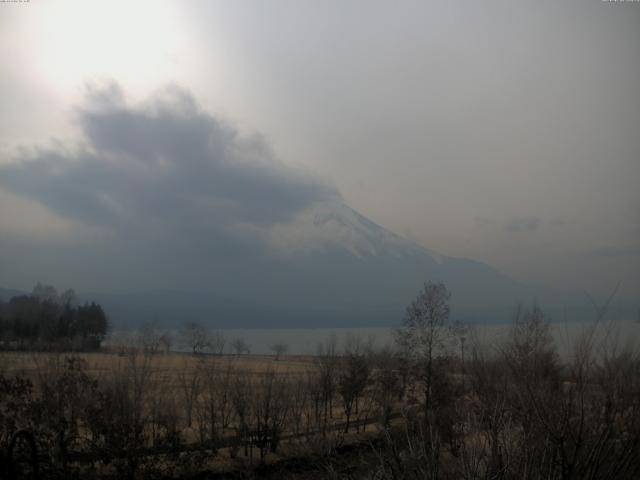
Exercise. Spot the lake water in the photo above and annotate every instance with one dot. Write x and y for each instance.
(304, 341)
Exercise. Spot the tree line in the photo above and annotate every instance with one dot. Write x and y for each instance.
(46, 319)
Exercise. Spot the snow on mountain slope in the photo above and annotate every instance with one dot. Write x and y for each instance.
(330, 254)
(333, 224)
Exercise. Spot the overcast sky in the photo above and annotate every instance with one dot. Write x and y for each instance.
(507, 132)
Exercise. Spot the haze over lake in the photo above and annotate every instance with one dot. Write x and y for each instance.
(305, 341)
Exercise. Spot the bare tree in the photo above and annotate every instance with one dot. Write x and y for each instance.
(240, 346)
(586, 425)
(386, 384)
(214, 407)
(119, 419)
(300, 408)
(241, 400)
(279, 348)
(326, 362)
(270, 405)
(195, 336)
(423, 332)
(190, 381)
(460, 332)
(352, 383)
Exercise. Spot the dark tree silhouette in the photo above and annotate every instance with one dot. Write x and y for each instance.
(46, 318)
(423, 333)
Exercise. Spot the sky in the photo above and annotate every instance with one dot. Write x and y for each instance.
(505, 132)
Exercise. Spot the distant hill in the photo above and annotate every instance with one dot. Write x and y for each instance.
(7, 293)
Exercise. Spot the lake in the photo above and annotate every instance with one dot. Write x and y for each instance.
(305, 341)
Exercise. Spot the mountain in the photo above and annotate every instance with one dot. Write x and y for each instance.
(341, 258)
(331, 266)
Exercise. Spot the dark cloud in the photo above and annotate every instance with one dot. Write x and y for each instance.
(163, 164)
(524, 224)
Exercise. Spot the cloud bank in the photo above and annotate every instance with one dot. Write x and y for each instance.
(162, 167)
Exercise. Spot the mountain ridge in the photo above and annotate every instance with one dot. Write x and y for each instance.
(332, 266)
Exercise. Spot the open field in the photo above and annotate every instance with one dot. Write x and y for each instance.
(225, 410)
(360, 413)
(169, 364)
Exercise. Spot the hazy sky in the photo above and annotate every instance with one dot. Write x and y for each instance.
(507, 132)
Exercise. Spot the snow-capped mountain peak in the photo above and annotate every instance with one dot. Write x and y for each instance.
(332, 224)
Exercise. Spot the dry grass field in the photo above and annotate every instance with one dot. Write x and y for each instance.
(226, 410)
(355, 414)
(168, 364)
